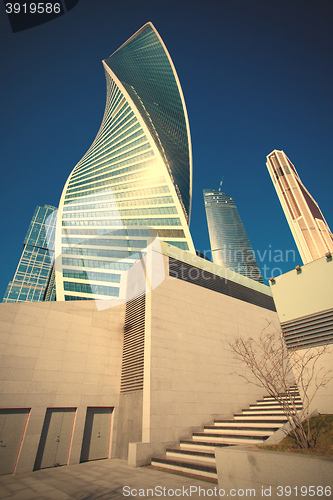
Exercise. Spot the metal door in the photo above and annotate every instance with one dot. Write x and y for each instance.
(55, 438)
(96, 437)
(12, 425)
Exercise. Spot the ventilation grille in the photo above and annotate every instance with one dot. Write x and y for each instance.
(309, 331)
(133, 350)
(196, 276)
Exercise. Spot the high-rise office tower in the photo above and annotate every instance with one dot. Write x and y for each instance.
(308, 226)
(135, 181)
(34, 277)
(229, 242)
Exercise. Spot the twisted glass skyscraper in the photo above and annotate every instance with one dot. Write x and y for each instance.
(135, 181)
(229, 242)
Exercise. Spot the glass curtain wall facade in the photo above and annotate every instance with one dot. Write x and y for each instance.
(34, 277)
(309, 228)
(229, 242)
(135, 182)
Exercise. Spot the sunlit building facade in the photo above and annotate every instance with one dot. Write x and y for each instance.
(134, 184)
(230, 245)
(309, 228)
(34, 277)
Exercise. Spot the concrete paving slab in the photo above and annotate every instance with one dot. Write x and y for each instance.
(57, 495)
(102, 480)
(4, 492)
(23, 495)
(41, 487)
(14, 487)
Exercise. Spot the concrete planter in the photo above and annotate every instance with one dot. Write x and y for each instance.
(248, 472)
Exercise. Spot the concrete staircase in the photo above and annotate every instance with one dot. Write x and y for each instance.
(196, 456)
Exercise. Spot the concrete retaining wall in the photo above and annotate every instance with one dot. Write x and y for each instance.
(273, 474)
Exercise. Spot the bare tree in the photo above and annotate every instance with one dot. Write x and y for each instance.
(278, 370)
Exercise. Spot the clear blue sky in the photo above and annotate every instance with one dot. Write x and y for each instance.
(256, 76)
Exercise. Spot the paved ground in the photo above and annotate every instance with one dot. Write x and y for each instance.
(102, 480)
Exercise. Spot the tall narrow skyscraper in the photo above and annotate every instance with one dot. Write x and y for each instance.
(229, 242)
(310, 230)
(34, 277)
(135, 181)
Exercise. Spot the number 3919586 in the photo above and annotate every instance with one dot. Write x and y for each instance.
(308, 491)
(33, 8)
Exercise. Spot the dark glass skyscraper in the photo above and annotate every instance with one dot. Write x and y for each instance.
(229, 242)
(34, 277)
(135, 181)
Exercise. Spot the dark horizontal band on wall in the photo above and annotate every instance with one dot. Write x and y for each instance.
(199, 277)
(309, 331)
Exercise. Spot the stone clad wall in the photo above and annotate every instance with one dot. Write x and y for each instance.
(59, 355)
(322, 401)
(192, 377)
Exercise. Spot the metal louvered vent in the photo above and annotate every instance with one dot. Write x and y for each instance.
(186, 272)
(309, 331)
(133, 349)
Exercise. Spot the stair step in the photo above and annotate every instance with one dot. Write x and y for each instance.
(245, 424)
(179, 454)
(239, 430)
(266, 416)
(294, 394)
(187, 466)
(261, 412)
(273, 405)
(262, 409)
(273, 401)
(230, 438)
(203, 446)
